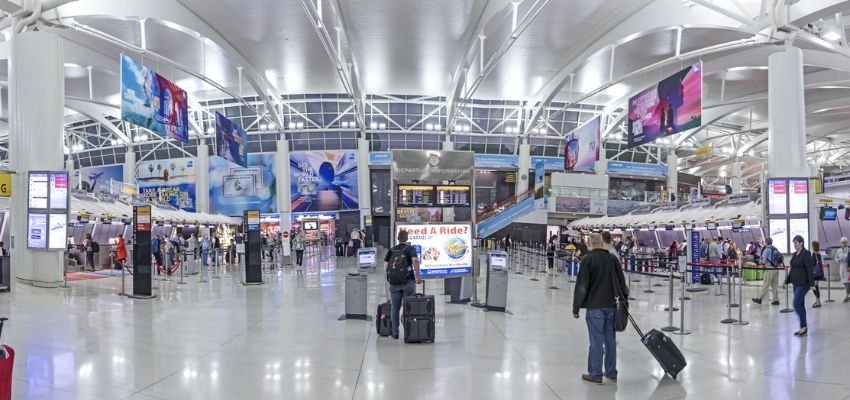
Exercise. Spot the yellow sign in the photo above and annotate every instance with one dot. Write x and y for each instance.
(825, 201)
(5, 184)
(704, 152)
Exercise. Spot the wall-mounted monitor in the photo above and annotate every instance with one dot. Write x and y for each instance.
(828, 213)
(453, 196)
(415, 196)
(310, 225)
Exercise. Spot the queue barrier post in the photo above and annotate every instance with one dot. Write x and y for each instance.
(740, 321)
(786, 309)
(554, 272)
(182, 265)
(828, 286)
(670, 308)
(729, 318)
(682, 330)
(216, 254)
(535, 262)
(740, 277)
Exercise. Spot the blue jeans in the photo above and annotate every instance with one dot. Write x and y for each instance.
(600, 331)
(397, 295)
(800, 303)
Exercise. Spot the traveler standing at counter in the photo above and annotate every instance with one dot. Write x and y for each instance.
(193, 246)
(841, 260)
(801, 276)
(88, 244)
(120, 252)
(205, 250)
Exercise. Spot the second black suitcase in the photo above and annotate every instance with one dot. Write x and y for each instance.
(419, 305)
(663, 349)
(383, 324)
(418, 329)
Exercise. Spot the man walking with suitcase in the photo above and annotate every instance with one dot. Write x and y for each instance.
(599, 272)
(402, 266)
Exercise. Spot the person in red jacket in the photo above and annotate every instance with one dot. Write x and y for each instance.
(120, 253)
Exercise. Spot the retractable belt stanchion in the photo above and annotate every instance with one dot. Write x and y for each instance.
(216, 253)
(182, 267)
(828, 286)
(629, 278)
(682, 330)
(786, 309)
(649, 278)
(740, 320)
(535, 259)
(732, 284)
(657, 265)
(554, 272)
(729, 318)
(123, 288)
(670, 307)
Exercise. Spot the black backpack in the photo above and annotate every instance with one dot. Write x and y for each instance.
(397, 268)
(95, 247)
(776, 258)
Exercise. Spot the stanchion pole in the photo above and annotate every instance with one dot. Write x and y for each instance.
(670, 307)
(682, 330)
(215, 264)
(554, 272)
(203, 273)
(649, 285)
(123, 291)
(729, 318)
(732, 284)
(629, 284)
(786, 309)
(535, 259)
(828, 286)
(182, 267)
(740, 320)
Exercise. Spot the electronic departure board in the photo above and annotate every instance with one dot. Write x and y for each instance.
(453, 196)
(415, 196)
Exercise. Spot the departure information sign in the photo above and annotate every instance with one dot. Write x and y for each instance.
(415, 196)
(453, 196)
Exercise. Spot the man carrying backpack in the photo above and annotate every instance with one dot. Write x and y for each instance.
(770, 258)
(401, 277)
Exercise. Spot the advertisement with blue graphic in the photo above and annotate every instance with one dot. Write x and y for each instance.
(323, 180)
(153, 102)
(581, 147)
(636, 169)
(231, 141)
(234, 188)
(505, 161)
(444, 250)
(540, 196)
(169, 182)
(96, 179)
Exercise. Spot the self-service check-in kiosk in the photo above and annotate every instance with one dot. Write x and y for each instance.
(497, 281)
(367, 258)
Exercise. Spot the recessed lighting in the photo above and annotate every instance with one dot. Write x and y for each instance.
(345, 124)
(292, 125)
(382, 125)
(300, 125)
(429, 127)
(466, 128)
(831, 35)
(373, 125)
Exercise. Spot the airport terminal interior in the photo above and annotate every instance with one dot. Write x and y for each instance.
(401, 199)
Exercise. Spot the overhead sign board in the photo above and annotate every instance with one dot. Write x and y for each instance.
(5, 184)
(433, 166)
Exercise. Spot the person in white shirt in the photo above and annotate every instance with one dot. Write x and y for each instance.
(841, 260)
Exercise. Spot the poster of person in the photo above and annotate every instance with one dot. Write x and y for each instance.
(581, 147)
(234, 188)
(97, 179)
(323, 180)
(169, 182)
(153, 102)
(671, 106)
(231, 141)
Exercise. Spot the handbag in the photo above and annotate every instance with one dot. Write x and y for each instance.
(621, 312)
(818, 270)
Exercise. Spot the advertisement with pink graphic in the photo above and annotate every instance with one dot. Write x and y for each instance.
(671, 106)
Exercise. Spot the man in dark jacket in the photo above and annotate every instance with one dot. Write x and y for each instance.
(598, 273)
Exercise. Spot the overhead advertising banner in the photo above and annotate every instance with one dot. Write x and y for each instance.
(97, 179)
(169, 182)
(153, 102)
(581, 147)
(798, 197)
(443, 249)
(234, 188)
(549, 163)
(500, 161)
(540, 198)
(579, 205)
(636, 169)
(671, 106)
(323, 180)
(231, 141)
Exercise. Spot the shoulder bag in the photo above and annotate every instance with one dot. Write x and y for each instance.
(621, 313)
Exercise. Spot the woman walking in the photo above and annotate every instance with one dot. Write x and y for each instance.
(841, 260)
(817, 271)
(801, 276)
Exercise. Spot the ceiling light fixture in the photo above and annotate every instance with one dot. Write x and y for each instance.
(373, 125)
(382, 125)
(831, 35)
(300, 125)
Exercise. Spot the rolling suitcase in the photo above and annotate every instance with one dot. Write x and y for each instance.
(663, 349)
(7, 360)
(419, 305)
(383, 324)
(418, 329)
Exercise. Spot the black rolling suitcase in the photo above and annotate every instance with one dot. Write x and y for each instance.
(663, 349)
(382, 319)
(419, 318)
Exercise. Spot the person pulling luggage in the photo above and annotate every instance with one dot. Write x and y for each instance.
(402, 266)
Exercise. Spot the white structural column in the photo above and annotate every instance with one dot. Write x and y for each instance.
(364, 186)
(672, 174)
(735, 179)
(74, 179)
(523, 165)
(37, 109)
(281, 169)
(448, 212)
(130, 166)
(786, 156)
(202, 178)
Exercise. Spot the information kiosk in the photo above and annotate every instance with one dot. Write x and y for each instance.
(142, 268)
(497, 281)
(253, 248)
(367, 257)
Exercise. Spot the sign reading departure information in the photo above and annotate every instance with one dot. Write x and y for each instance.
(443, 249)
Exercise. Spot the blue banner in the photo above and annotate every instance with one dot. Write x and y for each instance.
(97, 179)
(636, 169)
(496, 161)
(504, 219)
(231, 141)
(234, 188)
(695, 244)
(380, 158)
(153, 102)
(549, 163)
(323, 180)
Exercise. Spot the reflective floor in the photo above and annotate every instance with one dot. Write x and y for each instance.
(282, 340)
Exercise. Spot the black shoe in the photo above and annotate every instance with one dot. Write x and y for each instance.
(395, 336)
(774, 303)
(802, 332)
(588, 378)
(612, 378)
(756, 300)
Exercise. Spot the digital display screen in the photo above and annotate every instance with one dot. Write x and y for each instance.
(777, 196)
(443, 249)
(828, 214)
(37, 231)
(415, 196)
(310, 225)
(737, 224)
(798, 197)
(711, 225)
(38, 190)
(798, 226)
(779, 233)
(59, 190)
(366, 257)
(453, 196)
(58, 225)
(498, 261)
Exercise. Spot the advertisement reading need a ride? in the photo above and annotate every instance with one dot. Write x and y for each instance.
(443, 249)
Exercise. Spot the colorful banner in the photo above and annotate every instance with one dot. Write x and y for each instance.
(504, 161)
(540, 197)
(234, 188)
(579, 205)
(168, 182)
(96, 179)
(153, 102)
(443, 249)
(323, 180)
(231, 141)
(671, 106)
(636, 169)
(549, 163)
(581, 147)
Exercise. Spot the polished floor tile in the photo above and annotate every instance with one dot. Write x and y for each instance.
(282, 340)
